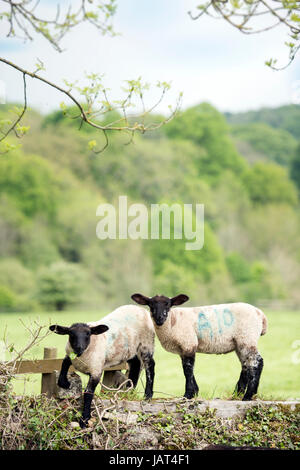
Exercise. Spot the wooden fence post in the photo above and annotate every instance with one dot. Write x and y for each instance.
(49, 380)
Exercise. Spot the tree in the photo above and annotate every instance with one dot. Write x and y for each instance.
(207, 128)
(7, 299)
(276, 144)
(91, 99)
(269, 183)
(31, 183)
(60, 285)
(245, 15)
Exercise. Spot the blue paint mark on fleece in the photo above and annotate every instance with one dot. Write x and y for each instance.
(219, 320)
(225, 319)
(126, 320)
(204, 324)
(228, 317)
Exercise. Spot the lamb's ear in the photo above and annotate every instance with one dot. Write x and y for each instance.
(60, 330)
(98, 329)
(140, 299)
(179, 299)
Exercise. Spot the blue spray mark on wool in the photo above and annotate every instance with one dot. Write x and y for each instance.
(110, 337)
(126, 343)
(219, 320)
(228, 317)
(126, 320)
(225, 319)
(204, 324)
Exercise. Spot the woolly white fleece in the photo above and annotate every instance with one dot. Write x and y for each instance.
(130, 333)
(212, 329)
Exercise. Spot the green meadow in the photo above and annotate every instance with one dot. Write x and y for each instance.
(216, 375)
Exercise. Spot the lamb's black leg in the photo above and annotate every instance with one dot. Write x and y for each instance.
(62, 379)
(134, 370)
(87, 400)
(191, 387)
(195, 385)
(253, 374)
(149, 365)
(242, 382)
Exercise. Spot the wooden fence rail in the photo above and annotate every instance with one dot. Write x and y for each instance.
(50, 364)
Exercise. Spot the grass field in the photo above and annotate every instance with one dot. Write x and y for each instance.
(216, 375)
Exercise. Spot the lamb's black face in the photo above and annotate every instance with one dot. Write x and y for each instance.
(159, 305)
(79, 337)
(159, 308)
(79, 334)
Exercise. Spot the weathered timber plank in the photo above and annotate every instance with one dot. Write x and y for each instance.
(223, 408)
(46, 366)
(40, 366)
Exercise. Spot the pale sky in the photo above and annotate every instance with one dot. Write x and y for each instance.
(205, 59)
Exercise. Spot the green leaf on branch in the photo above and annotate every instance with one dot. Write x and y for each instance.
(92, 144)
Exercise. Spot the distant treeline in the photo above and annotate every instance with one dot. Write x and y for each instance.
(245, 169)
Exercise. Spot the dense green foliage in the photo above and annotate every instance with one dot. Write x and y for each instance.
(207, 128)
(51, 187)
(60, 285)
(269, 183)
(284, 117)
(30, 182)
(268, 142)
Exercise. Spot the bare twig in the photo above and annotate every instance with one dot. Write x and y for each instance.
(87, 115)
(21, 17)
(36, 334)
(15, 124)
(113, 407)
(240, 14)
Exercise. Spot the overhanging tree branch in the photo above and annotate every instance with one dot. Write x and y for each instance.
(15, 126)
(24, 19)
(242, 15)
(21, 17)
(91, 93)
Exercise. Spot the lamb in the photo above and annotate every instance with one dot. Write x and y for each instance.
(126, 334)
(213, 329)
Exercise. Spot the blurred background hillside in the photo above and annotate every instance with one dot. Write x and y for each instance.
(244, 167)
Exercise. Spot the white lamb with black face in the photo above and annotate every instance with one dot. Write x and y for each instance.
(125, 335)
(211, 329)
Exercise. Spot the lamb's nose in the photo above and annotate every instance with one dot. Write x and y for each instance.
(79, 351)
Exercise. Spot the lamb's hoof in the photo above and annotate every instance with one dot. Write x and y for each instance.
(148, 397)
(190, 395)
(83, 423)
(245, 398)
